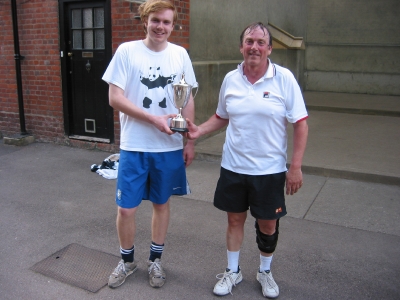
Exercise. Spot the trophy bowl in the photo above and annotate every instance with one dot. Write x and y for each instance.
(181, 96)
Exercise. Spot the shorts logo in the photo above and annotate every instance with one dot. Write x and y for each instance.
(278, 210)
(119, 193)
(266, 94)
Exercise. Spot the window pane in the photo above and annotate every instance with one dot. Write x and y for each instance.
(87, 18)
(99, 39)
(76, 18)
(77, 39)
(99, 17)
(88, 39)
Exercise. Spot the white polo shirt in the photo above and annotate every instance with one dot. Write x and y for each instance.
(256, 137)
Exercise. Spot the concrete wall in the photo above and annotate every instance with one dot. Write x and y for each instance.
(215, 25)
(352, 46)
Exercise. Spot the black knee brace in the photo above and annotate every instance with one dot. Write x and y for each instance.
(267, 243)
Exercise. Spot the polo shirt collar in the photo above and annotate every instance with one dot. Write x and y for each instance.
(270, 71)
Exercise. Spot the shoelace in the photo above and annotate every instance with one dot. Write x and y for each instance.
(157, 269)
(267, 279)
(120, 267)
(225, 276)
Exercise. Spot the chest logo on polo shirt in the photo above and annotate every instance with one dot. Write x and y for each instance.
(266, 95)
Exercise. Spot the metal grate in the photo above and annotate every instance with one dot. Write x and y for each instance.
(78, 266)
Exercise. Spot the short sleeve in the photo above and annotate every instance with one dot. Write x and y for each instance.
(221, 108)
(295, 106)
(116, 72)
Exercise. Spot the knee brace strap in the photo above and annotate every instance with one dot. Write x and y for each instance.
(267, 243)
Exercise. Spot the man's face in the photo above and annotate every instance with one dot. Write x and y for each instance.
(159, 26)
(255, 48)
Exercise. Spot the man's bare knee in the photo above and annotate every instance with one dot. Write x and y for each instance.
(236, 219)
(161, 207)
(126, 212)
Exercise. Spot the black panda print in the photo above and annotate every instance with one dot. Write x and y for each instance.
(154, 82)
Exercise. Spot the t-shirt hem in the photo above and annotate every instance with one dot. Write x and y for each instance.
(150, 150)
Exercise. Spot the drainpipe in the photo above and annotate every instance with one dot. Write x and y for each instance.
(18, 58)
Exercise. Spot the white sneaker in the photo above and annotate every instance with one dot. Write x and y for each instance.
(226, 282)
(157, 275)
(269, 287)
(120, 273)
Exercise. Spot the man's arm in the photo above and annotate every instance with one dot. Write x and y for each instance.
(212, 124)
(119, 102)
(188, 150)
(294, 177)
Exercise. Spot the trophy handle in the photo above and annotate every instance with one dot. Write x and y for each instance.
(197, 89)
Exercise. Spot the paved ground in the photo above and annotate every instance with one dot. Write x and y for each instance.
(340, 240)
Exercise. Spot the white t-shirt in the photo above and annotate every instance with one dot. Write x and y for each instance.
(146, 78)
(256, 137)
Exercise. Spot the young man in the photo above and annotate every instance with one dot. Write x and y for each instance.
(256, 101)
(152, 158)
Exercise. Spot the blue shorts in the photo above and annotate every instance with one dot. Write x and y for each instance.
(150, 176)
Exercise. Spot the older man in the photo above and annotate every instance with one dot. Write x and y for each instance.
(256, 101)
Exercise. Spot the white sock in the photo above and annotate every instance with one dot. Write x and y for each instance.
(265, 263)
(233, 260)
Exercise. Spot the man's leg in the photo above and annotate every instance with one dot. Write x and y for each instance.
(159, 228)
(234, 238)
(235, 230)
(126, 233)
(159, 223)
(267, 239)
(126, 227)
(267, 227)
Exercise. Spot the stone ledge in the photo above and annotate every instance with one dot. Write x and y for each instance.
(19, 140)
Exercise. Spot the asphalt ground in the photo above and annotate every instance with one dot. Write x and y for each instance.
(340, 239)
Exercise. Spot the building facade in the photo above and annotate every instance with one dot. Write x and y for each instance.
(65, 47)
(346, 47)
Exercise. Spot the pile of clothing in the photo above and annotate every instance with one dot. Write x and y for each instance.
(108, 168)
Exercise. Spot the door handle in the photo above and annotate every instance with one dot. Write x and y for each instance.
(70, 54)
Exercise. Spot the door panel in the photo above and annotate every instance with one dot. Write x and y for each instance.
(88, 52)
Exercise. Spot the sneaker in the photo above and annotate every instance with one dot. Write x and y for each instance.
(120, 273)
(269, 287)
(227, 281)
(157, 275)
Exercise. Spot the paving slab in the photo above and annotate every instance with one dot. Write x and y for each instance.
(354, 145)
(367, 206)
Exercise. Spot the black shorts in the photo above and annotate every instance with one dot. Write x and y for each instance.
(264, 194)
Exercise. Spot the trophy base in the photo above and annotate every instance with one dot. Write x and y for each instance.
(176, 129)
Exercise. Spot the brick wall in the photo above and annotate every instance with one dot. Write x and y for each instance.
(41, 68)
(41, 81)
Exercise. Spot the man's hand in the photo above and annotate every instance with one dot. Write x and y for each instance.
(294, 181)
(188, 153)
(194, 131)
(161, 122)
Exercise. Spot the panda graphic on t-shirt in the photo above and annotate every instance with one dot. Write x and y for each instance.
(155, 83)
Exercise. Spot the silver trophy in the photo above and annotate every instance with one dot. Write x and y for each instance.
(181, 96)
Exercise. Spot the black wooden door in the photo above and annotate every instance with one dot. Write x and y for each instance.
(86, 54)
